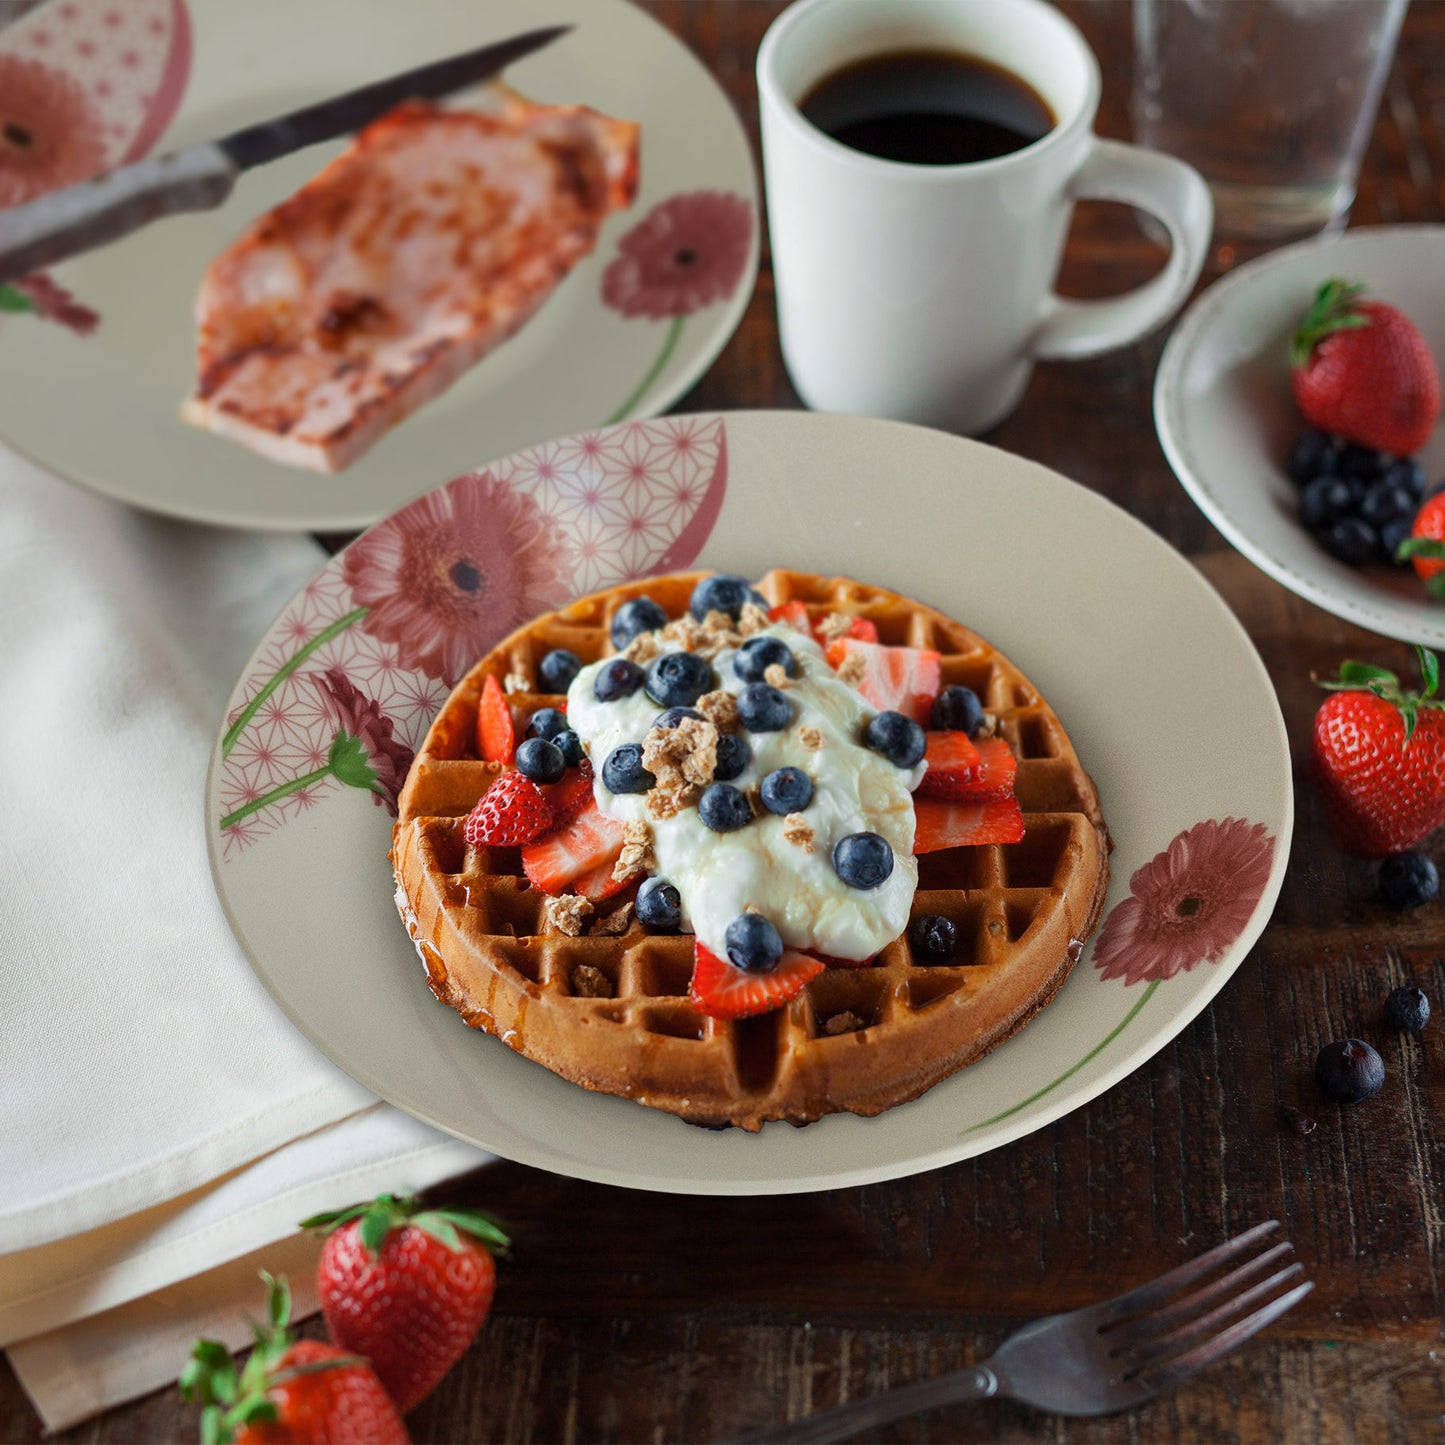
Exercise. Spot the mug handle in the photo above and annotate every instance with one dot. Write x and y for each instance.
(1177, 196)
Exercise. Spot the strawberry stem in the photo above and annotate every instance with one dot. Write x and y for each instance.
(1331, 311)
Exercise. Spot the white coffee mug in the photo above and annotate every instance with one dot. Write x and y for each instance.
(924, 292)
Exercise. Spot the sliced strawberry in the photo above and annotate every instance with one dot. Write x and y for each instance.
(599, 882)
(727, 992)
(793, 612)
(496, 733)
(901, 679)
(589, 841)
(939, 824)
(994, 777)
(953, 764)
(510, 812)
(567, 798)
(864, 629)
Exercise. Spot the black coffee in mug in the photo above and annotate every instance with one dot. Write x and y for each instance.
(928, 108)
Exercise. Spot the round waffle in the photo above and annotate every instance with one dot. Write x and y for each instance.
(613, 1012)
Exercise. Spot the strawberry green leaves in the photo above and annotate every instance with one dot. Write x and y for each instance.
(1332, 310)
(386, 1212)
(1384, 684)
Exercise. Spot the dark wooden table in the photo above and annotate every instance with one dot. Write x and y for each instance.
(638, 1317)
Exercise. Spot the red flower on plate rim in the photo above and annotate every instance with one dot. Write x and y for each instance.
(1188, 904)
(687, 252)
(49, 134)
(454, 572)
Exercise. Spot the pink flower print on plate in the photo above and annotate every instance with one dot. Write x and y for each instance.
(686, 253)
(1188, 904)
(93, 83)
(456, 571)
(50, 136)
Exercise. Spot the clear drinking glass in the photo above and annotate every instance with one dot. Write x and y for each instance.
(1272, 101)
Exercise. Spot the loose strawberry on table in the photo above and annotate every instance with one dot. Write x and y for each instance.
(1379, 754)
(407, 1287)
(289, 1390)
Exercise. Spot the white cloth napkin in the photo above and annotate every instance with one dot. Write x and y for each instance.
(142, 1062)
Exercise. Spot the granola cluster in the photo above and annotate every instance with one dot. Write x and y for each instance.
(683, 759)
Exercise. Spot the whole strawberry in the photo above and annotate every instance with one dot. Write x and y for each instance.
(1425, 546)
(1362, 370)
(1380, 757)
(289, 1391)
(407, 1287)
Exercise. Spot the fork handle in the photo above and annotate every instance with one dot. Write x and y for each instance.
(978, 1383)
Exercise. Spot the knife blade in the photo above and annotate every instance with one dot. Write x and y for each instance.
(91, 213)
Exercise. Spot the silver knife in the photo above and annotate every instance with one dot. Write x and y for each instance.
(91, 213)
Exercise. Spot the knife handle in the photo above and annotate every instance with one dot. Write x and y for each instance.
(91, 213)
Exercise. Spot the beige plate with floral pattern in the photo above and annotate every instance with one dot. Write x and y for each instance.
(1190, 757)
(625, 334)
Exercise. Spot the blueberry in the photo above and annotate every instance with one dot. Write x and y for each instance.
(675, 715)
(1407, 1009)
(1351, 540)
(956, 709)
(1361, 463)
(758, 654)
(1324, 501)
(863, 860)
(558, 668)
(720, 593)
(678, 679)
(1313, 454)
(763, 709)
(733, 756)
(752, 943)
(623, 771)
(1407, 880)
(1349, 1070)
(1391, 535)
(540, 760)
(897, 738)
(933, 938)
(659, 905)
(571, 746)
(546, 722)
(619, 678)
(1385, 501)
(639, 615)
(724, 808)
(787, 790)
(1408, 473)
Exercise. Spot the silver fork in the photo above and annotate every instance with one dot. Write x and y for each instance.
(1106, 1357)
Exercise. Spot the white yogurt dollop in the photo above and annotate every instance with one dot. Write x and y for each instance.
(719, 875)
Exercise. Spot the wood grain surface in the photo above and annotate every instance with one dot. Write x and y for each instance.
(627, 1316)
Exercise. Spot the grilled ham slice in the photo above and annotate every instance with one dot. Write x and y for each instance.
(426, 244)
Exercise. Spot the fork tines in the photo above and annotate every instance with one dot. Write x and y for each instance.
(1168, 1329)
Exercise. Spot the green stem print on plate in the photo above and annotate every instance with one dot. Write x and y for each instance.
(14, 300)
(1074, 1069)
(282, 673)
(1186, 906)
(348, 762)
(653, 372)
